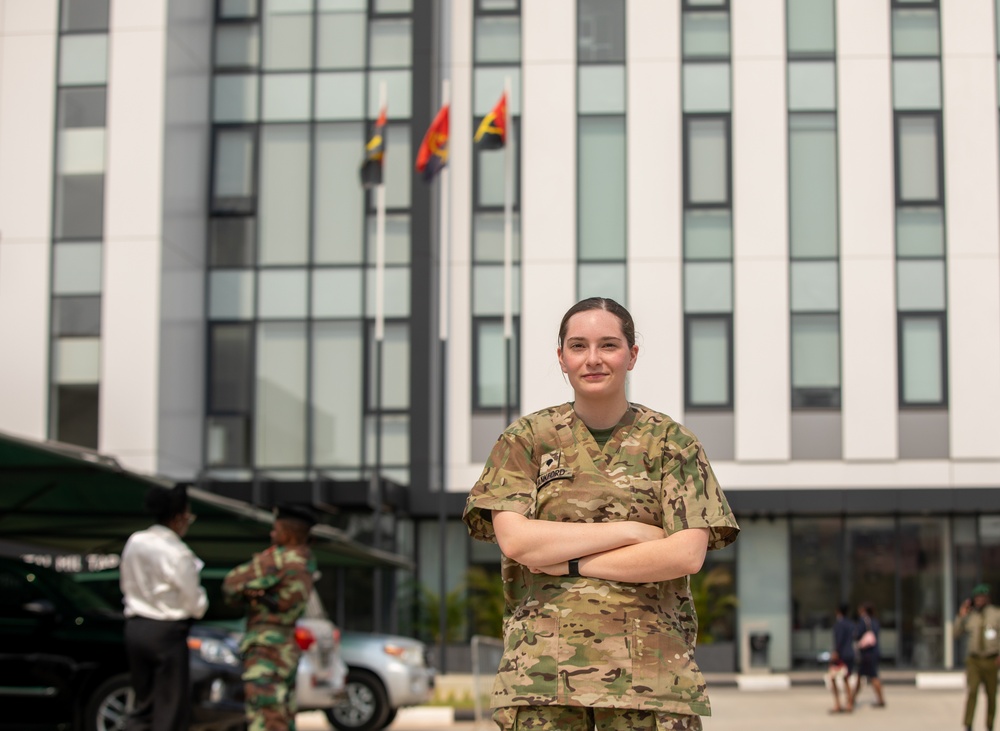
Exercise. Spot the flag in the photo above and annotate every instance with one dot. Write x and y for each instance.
(433, 152)
(492, 132)
(371, 168)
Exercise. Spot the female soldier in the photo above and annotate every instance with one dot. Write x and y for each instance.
(602, 509)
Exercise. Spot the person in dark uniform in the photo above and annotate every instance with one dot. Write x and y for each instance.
(980, 620)
(842, 661)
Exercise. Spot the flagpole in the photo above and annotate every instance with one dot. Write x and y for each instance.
(376, 478)
(508, 250)
(444, 232)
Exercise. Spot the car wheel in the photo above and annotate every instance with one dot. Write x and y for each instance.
(391, 717)
(109, 705)
(365, 706)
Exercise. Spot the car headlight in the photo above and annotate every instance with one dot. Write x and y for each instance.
(214, 651)
(407, 654)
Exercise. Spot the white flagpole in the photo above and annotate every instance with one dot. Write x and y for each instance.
(444, 230)
(508, 248)
(444, 233)
(375, 491)
(380, 242)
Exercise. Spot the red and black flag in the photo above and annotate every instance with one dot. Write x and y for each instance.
(433, 153)
(371, 168)
(492, 132)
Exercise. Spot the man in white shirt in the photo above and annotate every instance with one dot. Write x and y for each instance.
(163, 595)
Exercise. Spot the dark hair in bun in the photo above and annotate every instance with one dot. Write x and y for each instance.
(166, 503)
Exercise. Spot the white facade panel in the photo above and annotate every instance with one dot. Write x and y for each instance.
(28, 36)
(762, 397)
(654, 203)
(867, 231)
(973, 228)
(548, 189)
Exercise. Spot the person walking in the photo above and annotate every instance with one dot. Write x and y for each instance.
(602, 509)
(842, 661)
(274, 586)
(980, 620)
(867, 635)
(162, 594)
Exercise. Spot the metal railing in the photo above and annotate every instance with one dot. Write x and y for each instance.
(486, 655)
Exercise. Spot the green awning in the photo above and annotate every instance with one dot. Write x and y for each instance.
(72, 500)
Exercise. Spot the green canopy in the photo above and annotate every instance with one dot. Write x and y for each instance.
(71, 500)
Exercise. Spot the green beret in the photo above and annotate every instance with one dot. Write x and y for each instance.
(981, 589)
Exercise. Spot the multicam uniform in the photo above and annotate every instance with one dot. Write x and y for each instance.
(588, 642)
(270, 655)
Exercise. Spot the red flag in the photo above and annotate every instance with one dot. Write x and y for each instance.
(492, 132)
(371, 168)
(433, 152)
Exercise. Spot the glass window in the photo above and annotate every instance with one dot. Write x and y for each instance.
(395, 368)
(706, 161)
(232, 242)
(342, 41)
(236, 46)
(811, 27)
(919, 231)
(80, 207)
(706, 87)
(76, 316)
(601, 186)
(601, 89)
(706, 35)
(337, 293)
(337, 348)
(708, 287)
(227, 442)
(916, 84)
(393, 6)
(815, 351)
(343, 6)
(489, 173)
(708, 366)
(77, 269)
(918, 169)
(397, 291)
(605, 279)
(76, 414)
(84, 15)
(815, 286)
(83, 60)
(397, 239)
(488, 289)
(340, 96)
(812, 86)
(391, 43)
(397, 166)
(282, 294)
(81, 108)
(237, 8)
(870, 574)
(77, 360)
(233, 179)
(498, 6)
(915, 32)
(287, 97)
(81, 151)
(287, 36)
(230, 295)
(338, 199)
(922, 360)
(493, 383)
(601, 30)
(489, 85)
(922, 583)
(812, 185)
(230, 368)
(488, 237)
(816, 580)
(284, 194)
(234, 98)
(399, 90)
(498, 39)
(708, 234)
(280, 435)
(920, 285)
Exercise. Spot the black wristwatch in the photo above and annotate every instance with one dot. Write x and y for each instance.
(574, 567)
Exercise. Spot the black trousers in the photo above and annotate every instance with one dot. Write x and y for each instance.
(161, 674)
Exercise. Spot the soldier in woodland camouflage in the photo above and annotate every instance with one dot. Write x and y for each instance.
(602, 509)
(275, 586)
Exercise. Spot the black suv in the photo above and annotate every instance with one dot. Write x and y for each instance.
(63, 663)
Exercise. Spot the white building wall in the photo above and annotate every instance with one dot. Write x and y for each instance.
(972, 192)
(760, 233)
(28, 43)
(867, 231)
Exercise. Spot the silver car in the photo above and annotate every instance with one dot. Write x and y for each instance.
(321, 677)
(384, 673)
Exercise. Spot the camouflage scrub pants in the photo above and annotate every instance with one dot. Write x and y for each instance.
(269, 684)
(576, 718)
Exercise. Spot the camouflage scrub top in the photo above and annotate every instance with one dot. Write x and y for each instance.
(592, 642)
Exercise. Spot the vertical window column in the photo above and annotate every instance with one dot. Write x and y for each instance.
(708, 221)
(78, 222)
(601, 149)
(497, 56)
